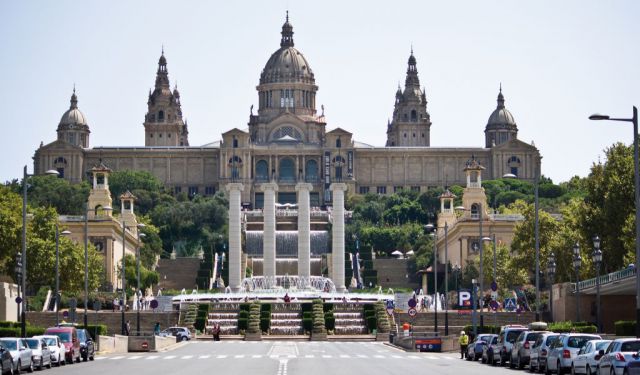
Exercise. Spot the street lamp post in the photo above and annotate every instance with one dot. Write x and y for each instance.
(597, 261)
(634, 121)
(86, 262)
(140, 236)
(551, 272)
(577, 262)
(456, 272)
(434, 235)
(536, 231)
(123, 305)
(23, 302)
(474, 299)
(57, 295)
(446, 279)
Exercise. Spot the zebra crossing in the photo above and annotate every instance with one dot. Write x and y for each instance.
(277, 357)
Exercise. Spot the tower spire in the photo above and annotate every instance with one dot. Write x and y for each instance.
(74, 98)
(500, 98)
(287, 33)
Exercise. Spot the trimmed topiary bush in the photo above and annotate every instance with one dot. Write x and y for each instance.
(253, 324)
(307, 324)
(318, 317)
(242, 323)
(625, 328)
(265, 324)
(384, 326)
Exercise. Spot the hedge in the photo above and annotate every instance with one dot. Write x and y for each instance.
(242, 323)
(485, 329)
(265, 324)
(244, 306)
(330, 322)
(265, 315)
(307, 324)
(15, 332)
(243, 314)
(307, 315)
(327, 307)
(266, 307)
(306, 307)
(625, 328)
(200, 324)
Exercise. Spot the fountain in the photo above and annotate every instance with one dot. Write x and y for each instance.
(286, 284)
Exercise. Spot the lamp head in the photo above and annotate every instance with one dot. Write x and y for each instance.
(52, 172)
(428, 226)
(596, 243)
(597, 256)
(597, 116)
(460, 208)
(576, 249)
(141, 225)
(65, 232)
(577, 261)
(509, 175)
(142, 235)
(487, 239)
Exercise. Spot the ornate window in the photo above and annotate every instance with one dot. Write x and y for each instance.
(262, 170)
(414, 115)
(286, 130)
(160, 116)
(475, 211)
(513, 164)
(311, 171)
(287, 170)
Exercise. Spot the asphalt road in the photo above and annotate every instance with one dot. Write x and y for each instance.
(281, 358)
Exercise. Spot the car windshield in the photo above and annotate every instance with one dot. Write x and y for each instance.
(631, 346)
(495, 340)
(512, 336)
(64, 336)
(10, 344)
(50, 341)
(33, 343)
(578, 341)
(81, 335)
(550, 340)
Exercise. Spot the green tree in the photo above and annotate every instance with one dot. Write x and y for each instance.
(148, 278)
(147, 188)
(51, 191)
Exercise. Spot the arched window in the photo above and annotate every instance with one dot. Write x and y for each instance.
(338, 143)
(287, 170)
(475, 211)
(405, 117)
(414, 115)
(262, 170)
(161, 116)
(513, 164)
(311, 171)
(235, 143)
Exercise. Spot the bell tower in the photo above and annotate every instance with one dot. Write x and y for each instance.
(99, 203)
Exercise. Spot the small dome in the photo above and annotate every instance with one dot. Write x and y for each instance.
(73, 114)
(501, 115)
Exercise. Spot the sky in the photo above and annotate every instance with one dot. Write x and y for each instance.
(558, 62)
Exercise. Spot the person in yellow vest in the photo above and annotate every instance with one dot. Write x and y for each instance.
(464, 343)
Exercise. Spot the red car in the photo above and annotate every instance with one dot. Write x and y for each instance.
(69, 337)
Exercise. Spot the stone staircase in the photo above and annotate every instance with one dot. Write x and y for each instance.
(349, 320)
(179, 273)
(394, 273)
(226, 315)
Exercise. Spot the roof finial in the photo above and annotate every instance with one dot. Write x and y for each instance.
(411, 49)
(74, 87)
(500, 98)
(500, 87)
(74, 98)
(162, 49)
(287, 15)
(287, 33)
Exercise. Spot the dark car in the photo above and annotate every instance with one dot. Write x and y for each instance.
(87, 348)
(6, 360)
(474, 350)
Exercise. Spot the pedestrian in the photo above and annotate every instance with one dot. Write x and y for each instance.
(464, 342)
(115, 304)
(156, 329)
(127, 328)
(216, 332)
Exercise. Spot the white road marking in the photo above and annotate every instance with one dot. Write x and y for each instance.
(309, 356)
(362, 356)
(222, 356)
(239, 356)
(204, 356)
(413, 357)
(117, 357)
(345, 356)
(327, 356)
(135, 357)
(431, 357)
(169, 357)
(186, 357)
(152, 357)
(99, 358)
(396, 356)
(449, 358)
(378, 356)
(256, 356)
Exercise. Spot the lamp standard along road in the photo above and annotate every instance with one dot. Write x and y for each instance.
(140, 235)
(597, 260)
(634, 121)
(57, 295)
(23, 302)
(577, 261)
(551, 273)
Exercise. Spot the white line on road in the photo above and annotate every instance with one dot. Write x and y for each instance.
(345, 356)
(99, 358)
(117, 357)
(186, 357)
(169, 357)
(239, 356)
(431, 357)
(256, 356)
(135, 357)
(396, 356)
(327, 356)
(222, 356)
(413, 357)
(309, 356)
(153, 357)
(362, 356)
(204, 356)
(378, 356)
(450, 358)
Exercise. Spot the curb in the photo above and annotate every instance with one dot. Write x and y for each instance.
(170, 347)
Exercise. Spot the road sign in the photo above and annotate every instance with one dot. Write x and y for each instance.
(494, 286)
(390, 312)
(18, 300)
(390, 304)
(65, 315)
(145, 345)
(494, 305)
(494, 296)
(510, 304)
(413, 312)
(154, 304)
(412, 303)
(464, 298)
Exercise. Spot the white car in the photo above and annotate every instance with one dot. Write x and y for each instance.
(41, 355)
(619, 352)
(588, 357)
(56, 347)
(564, 350)
(20, 352)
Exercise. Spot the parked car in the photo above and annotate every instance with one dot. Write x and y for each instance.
(615, 359)
(540, 350)
(56, 347)
(507, 337)
(487, 350)
(633, 367)
(180, 333)
(565, 349)
(521, 351)
(87, 349)
(474, 350)
(6, 362)
(20, 353)
(69, 338)
(41, 354)
(588, 358)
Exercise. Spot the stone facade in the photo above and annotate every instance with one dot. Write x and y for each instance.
(287, 142)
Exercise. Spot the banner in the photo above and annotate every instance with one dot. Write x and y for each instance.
(327, 176)
(349, 164)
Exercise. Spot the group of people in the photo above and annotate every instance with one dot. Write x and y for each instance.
(140, 302)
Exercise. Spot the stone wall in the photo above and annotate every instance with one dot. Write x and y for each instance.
(113, 320)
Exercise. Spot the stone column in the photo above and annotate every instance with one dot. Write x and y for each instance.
(304, 230)
(269, 230)
(235, 239)
(337, 257)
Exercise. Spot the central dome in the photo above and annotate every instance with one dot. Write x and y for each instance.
(73, 116)
(287, 64)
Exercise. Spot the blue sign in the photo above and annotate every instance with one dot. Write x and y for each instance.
(390, 304)
(510, 304)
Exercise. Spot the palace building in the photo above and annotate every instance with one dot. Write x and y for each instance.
(287, 141)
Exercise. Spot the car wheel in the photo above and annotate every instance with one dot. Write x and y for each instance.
(85, 357)
(49, 365)
(30, 368)
(520, 365)
(588, 370)
(573, 369)
(41, 366)
(18, 367)
(559, 369)
(531, 368)
(511, 362)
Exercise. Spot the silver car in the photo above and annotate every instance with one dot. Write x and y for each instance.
(540, 350)
(521, 351)
(487, 350)
(41, 354)
(618, 354)
(565, 349)
(20, 353)
(56, 347)
(588, 357)
(507, 337)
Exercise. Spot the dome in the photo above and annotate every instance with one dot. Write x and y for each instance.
(287, 65)
(501, 115)
(73, 114)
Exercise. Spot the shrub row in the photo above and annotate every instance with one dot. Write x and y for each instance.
(625, 328)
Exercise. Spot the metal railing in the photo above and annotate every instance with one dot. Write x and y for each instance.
(607, 279)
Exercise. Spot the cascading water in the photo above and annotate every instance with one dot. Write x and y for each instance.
(349, 323)
(228, 322)
(286, 243)
(286, 324)
(282, 284)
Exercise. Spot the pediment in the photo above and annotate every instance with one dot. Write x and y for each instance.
(515, 144)
(59, 145)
